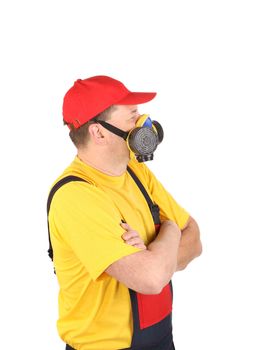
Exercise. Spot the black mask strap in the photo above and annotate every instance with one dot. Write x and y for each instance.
(114, 129)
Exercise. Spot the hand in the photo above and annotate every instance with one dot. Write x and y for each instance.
(132, 237)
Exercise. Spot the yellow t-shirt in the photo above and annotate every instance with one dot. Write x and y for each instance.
(84, 220)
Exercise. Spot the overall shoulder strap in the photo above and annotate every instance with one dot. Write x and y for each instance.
(54, 189)
(153, 207)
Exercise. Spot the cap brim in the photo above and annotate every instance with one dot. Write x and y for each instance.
(136, 98)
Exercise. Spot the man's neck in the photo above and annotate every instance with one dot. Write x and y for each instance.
(107, 164)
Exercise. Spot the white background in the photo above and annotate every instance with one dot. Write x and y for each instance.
(211, 64)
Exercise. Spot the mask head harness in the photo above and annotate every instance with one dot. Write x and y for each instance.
(143, 139)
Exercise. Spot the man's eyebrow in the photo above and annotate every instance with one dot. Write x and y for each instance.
(134, 111)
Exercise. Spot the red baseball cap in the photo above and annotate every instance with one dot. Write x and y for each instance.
(89, 97)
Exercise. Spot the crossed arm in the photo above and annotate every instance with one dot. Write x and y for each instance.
(149, 270)
(190, 246)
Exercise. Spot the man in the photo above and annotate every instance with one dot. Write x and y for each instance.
(113, 260)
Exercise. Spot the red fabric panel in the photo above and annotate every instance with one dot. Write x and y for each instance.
(154, 308)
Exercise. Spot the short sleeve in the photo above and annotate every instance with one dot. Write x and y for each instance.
(84, 218)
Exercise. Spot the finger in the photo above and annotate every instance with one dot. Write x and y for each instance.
(130, 234)
(125, 226)
(134, 241)
(141, 246)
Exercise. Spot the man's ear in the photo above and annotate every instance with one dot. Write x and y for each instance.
(96, 132)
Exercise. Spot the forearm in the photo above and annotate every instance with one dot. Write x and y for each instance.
(190, 245)
(149, 270)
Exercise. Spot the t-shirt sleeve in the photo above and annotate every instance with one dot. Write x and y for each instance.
(169, 208)
(85, 219)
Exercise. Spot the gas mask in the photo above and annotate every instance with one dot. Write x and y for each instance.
(143, 139)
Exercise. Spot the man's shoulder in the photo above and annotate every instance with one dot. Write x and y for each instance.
(79, 198)
(72, 172)
(73, 187)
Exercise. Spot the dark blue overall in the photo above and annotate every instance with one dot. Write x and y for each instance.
(152, 314)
